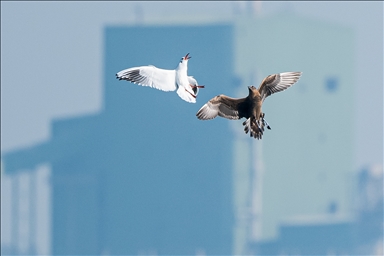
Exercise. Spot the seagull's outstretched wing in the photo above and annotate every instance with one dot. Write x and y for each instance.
(220, 105)
(151, 76)
(277, 83)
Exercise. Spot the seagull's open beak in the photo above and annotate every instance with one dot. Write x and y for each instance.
(187, 57)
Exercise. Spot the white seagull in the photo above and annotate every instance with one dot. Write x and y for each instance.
(165, 80)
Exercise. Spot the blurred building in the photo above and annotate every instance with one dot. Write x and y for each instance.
(369, 210)
(145, 177)
(325, 235)
(303, 167)
(313, 235)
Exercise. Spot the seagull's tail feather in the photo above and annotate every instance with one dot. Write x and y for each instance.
(186, 95)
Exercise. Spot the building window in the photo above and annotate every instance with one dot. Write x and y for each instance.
(237, 81)
(331, 84)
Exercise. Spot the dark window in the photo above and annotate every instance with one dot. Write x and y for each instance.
(237, 81)
(331, 84)
(332, 207)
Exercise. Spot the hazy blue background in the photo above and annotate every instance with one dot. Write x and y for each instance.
(42, 42)
(52, 61)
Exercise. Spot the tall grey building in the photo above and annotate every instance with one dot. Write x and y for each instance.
(145, 176)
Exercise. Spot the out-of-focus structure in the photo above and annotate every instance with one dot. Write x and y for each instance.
(144, 176)
(302, 169)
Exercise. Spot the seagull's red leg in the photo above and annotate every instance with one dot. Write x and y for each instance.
(198, 86)
(194, 96)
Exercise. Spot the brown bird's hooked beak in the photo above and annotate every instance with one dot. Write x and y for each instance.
(187, 57)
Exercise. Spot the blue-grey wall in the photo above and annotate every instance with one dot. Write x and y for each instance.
(146, 174)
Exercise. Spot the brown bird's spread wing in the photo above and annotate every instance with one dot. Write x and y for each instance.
(221, 105)
(277, 83)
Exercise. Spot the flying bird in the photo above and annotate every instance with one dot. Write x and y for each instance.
(164, 79)
(250, 106)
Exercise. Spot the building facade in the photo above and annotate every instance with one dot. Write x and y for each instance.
(303, 167)
(144, 176)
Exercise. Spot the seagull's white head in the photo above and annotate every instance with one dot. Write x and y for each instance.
(186, 57)
(184, 60)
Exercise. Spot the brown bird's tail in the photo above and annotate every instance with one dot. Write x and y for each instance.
(256, 127)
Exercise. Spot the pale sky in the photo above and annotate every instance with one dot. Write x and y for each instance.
(52, 53)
